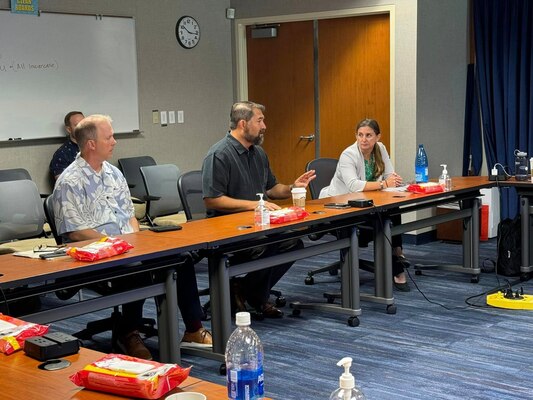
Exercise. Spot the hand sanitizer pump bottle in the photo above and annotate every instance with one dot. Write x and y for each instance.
(347, 389)
(520, 165)
(262, 215)
(445, 180)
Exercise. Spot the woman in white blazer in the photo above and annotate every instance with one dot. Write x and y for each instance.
(366, 166)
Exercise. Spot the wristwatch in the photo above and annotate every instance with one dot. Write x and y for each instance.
(380, 185)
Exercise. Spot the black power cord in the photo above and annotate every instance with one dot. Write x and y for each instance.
(467, 300)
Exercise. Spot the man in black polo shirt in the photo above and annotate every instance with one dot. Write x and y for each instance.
(234, 171)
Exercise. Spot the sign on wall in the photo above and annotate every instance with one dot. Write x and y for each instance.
(25, 7)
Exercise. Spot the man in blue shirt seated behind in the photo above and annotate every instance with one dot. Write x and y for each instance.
(64, 156)
(91, 199)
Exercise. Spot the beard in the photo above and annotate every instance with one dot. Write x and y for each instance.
(257, 140)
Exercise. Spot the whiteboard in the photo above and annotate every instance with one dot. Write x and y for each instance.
(55, 63)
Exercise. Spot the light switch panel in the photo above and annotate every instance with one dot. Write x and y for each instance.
(172, 117)
(163, 118)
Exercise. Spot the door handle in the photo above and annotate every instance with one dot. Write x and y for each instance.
(309, 138)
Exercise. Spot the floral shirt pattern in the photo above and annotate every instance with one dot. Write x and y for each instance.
(84, 199)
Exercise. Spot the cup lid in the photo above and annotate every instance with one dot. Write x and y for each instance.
(298, 190)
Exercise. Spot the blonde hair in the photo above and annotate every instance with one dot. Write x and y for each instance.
(88, 127)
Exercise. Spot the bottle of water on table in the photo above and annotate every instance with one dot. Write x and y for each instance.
(421, 165)
(244, 362)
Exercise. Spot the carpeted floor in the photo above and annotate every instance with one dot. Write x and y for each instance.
(434, 347)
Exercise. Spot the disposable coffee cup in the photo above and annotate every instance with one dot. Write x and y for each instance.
(186, 396)
(298, 197)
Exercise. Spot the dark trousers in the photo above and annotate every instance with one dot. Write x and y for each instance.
(255, 286)
(188, 298)
(366, 236)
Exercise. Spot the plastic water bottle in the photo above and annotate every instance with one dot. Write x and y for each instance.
(244, 362)
(421, 165)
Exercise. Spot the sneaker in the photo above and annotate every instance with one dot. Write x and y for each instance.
(200, 339)
(270, 311)
(132, 345)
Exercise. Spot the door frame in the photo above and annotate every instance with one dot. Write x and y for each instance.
(241, 68)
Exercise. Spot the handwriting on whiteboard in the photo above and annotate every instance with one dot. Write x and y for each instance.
(29, 66)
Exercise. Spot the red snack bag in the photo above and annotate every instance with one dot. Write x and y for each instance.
(14, 331)
(287, 214)
(428, 187)
(130, 376)
(104, 248)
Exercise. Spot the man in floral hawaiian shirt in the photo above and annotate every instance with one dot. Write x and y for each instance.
(91, 199)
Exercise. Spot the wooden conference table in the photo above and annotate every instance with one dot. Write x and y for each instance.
(157, 254)
(21, 379)
(221, 237)
(229, 234)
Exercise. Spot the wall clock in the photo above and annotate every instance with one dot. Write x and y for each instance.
(187, 32)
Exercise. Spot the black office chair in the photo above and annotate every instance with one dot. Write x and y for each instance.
(99, 326)
(325, 169)
(14, 174)
(163, 206)
(49, 212)
(190, 190)
(18, 174)
(21, 213)
(21, 217)
(131, 169)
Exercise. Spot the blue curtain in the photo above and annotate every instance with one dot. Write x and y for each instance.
(472, 147)
(504, 66)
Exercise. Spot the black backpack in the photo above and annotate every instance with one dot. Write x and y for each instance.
(509, 247)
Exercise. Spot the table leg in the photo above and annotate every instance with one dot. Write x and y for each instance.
(220, 302)
(169, 335)
(526, 266)
(382, 265)
(350, 270)
(383, 257)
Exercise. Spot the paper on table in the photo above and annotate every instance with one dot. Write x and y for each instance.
(27, 254)
(36, 254)
(396, 189)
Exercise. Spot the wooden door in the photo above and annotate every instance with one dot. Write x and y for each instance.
(280, 76)
(354, 83)
(354, 79)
